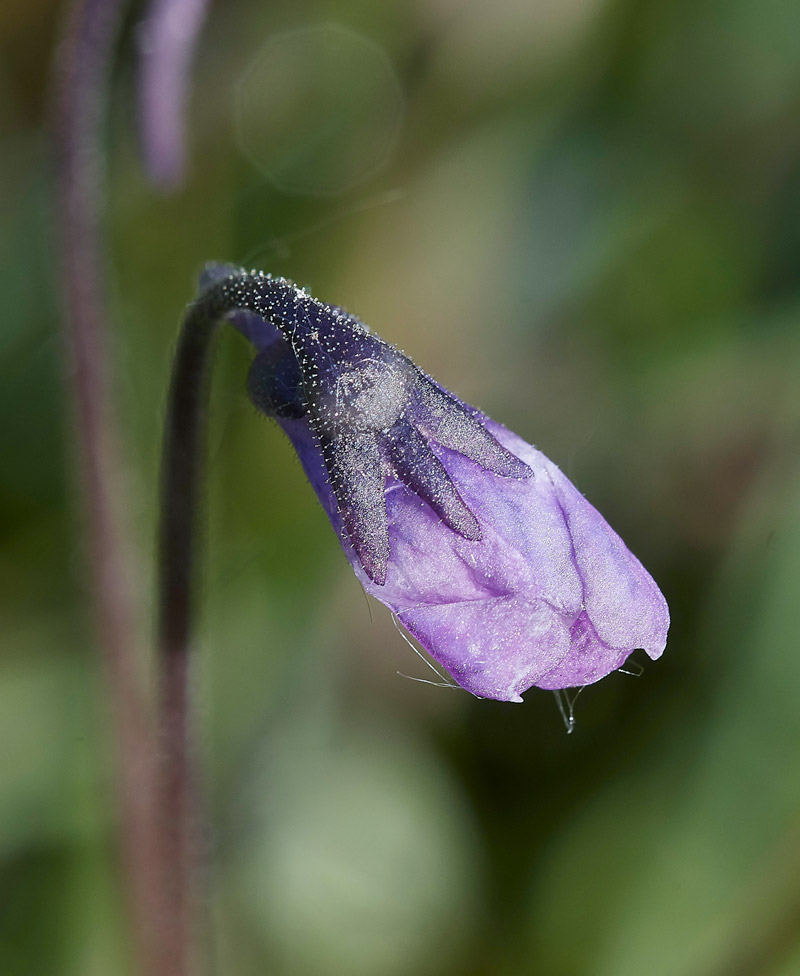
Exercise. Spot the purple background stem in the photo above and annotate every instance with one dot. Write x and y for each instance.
(166, 40)
(81, 86)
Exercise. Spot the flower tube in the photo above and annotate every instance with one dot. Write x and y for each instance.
(481, 547)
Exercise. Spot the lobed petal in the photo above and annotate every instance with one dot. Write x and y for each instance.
(549, 597)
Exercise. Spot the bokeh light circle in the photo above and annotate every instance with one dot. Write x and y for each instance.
(318, 110)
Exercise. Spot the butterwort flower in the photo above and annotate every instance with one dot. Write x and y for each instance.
(481, 547)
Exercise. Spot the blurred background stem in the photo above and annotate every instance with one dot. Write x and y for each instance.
(81, 87)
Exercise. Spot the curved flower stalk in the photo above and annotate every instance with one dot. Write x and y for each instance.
(483, 549)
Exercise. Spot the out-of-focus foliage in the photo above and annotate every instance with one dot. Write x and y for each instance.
(583, 216)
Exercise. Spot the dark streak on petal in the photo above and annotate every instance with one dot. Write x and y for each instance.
(419, 468)
(354, 465)
(446, 421)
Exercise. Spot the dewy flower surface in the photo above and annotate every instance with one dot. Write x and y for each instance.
(484, 550)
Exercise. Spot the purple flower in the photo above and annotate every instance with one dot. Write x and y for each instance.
(483, 549)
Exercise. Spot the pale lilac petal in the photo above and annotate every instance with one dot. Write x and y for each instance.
(589, 659)
(497, 647)
(621, 599)
(549, 597)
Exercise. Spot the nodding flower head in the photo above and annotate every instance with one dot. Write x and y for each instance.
(478, 543)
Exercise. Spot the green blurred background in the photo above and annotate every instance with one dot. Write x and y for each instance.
(581, 215)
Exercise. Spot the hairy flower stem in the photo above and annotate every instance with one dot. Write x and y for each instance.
(182, 472)
(81, 86)
(183, 464)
